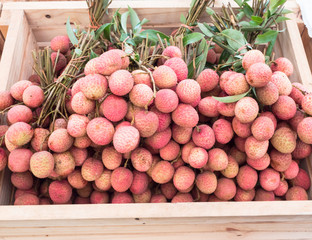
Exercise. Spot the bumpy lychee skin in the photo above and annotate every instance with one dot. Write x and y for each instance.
(284, 140)
(231, 169)
(188, 91)
(284, 65)
(206, 182)
(92, 169)
(263, 195)
(58, 123)
(146, 122)
(251, 57)
(86, 191)
(285, 108)
(126, 139)
(140, 76)
(207, 80)
(141, 159)
(114, 108)
(19, 113)
(185, 115)
(121, 82)
(41, 164)
(18, 89)
(76, 180)
(203, 136)
(294, 122)
(186, 149)
(296, 193)
(302, 179)
(246, 109)
(100, 131)
(27, 199)
(306, 104)
(269, 179)
(259, 163)
(18, 160)
(178, 66)
(247, 178)
(165, 77)
(302, 150)
(282, 82)
(162, 172)
(104, 181)
(223, 131)
(60, 192)
(164, 119)
(262, 128)
(139, 183)
(93, 86)
(60, 141)
(296, 92)
(170, 151)
(211, 56)
(225, 77)
(6, 100)
(120, 198)
(121, 179)
(304, 130)
(226, 109)
(198, 157)
(292, 171)
(243, 195)
(268, 95)
(208, 106)
(19, 133)
(125, 61)
(23, 181)
(242, 130)
(218, 159)
(183, 178)
(77, 125)
(82, 142)
(60, 43)
(64, 163)
(168, 190)
(9, 146)
(158, 198)
(99, 197)
(111, 158)
(280, 161)
(236, 84)
(172, 51)
(58, 62)
(159, 139)
(166, 100)
(271, 116)
(258, 74)
(3, 159)
(226, 189)
(144, 197)
(182, 197)
(281, 189)
(254, 148)
(141, 95)
(82, 105)
(106, 64)
(238, 155)
(181, 135)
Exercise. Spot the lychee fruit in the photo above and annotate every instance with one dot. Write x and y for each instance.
(226, 109)
(281, 189)
(208, 79)
(226, 189)
(82, 105)
(162, 172)
(60, 192)
(168, 190)
(99, 197)
(244, 195)
(19, 113)
(208, 106)
(218, 159)
(166, 100)
(23, 180)
(206, 182)
(76, 180)
(19, 133)
(59, 61)
(285, 108)
(198, 157)
(100, 131)
(108, 63)
(42, 164)
(27, 199)
(296, 193)
(140, 182)
(16, 91)
(203, 136)
(146, 122)
(292, 171)
(121, 179)
(104, 181)
(92, 169)
(114, 108)
(77, 125)
(111, 158)
(18, 160)
(183, 178)
(268, 95)
(60, 43)
(121, 82)
(165, 77)
(259, 163)
(302, 179)
(125, 61)
(251, 57)
(158, 198)
(269, 179)
(258, 74)
(141, 77)
(242, 130)
(141, 159)
(126, 139)
(247, 178)
(170, 151)
(282, 82)
(284, 140)
(141, 95)
(122, 197)
(280, 161)
(64, 163)
(263, 195)
(181, 135)
(223, 131)
(246, 109)
(6, 100)
(256, 149)
(178, 66)
(262, 128)
(188, 91)
(182, 197)
(284, 65)
(60, 141)
(236, 84)
(232, 168)
(93, 86)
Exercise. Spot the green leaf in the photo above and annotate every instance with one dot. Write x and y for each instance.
(128, 49)
(240, 15)
(247, 10)
(286, 11)
(123, 20)
(134, 19)
(192, 4)
(231, 99)
(78, 51)
(235, 38)
(182, 18)
(192, 38)
(104, 29)
(131, 41)
(140, 24)
(258, 20)
(266, 37)
(93, 54)
(239, 2)
(281, 19)
(70, 33)
(210, 11)
(274, 4)
(152, 35)
(202, 46)
(205, 30)
(271, 45)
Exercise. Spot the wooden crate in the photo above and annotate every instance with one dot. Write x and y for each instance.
(32, 25)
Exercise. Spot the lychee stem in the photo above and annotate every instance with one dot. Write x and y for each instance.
(126, 163)
(197, 128)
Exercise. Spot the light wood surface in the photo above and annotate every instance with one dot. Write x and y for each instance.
(224, 220)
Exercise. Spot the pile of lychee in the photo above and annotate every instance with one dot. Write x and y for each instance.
(122, 143)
